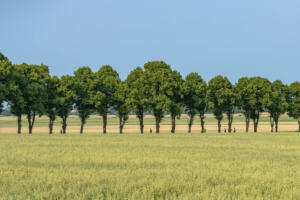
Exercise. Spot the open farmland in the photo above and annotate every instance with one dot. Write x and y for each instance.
(94, 124)
(165, 166)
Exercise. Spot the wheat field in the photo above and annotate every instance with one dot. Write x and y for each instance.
(165, 166)
(240, 165)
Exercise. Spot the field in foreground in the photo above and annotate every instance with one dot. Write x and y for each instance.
(181, 166)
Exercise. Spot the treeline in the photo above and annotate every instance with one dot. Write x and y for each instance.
(30, 90)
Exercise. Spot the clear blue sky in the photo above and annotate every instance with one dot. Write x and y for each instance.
(233, 38)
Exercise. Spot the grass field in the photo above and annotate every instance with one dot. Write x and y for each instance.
(133, 166)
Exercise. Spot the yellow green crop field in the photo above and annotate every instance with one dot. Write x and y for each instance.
(164, 166)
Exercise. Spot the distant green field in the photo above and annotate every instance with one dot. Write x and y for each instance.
(96, 121)
(132, 166)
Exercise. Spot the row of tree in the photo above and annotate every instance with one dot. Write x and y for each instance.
(30, 90)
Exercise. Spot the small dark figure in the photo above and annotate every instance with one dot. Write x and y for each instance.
(150, 130)
(224, 130)
(60, 131)
(234, 130)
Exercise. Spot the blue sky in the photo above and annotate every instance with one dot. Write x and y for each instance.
(233, 38)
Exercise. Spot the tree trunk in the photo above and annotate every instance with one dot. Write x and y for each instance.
(219, 126)
(121, 124)
(157, 124)
(51, 122)
(202, 123)
(64, 124)
(31, 120)
(19, 124)
(276, 126)
(230, 119)
(30, 129)
(190, 123)
(104, 117)
(121, 129)
(247, 123)
(29, 124)
(141, 119)
(255, 123)
(81, 127)
(272, 124)
(299, 123)
(190, 128)
(173, 123)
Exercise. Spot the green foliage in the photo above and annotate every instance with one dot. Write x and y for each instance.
(195, 97)
(254, 96)
(66, 95)
(172, 89)
(293, 98)
(16, 97)
(103, 88)
(29, 90)
(156, 66)
(223, 98)
(121, 103)
(156, 74)
(243, 100)
(5, 79)
(277, 103)
(138, 94)
(32, 90)
(83, 78)
(260, 90)
(3, 58)
(52, 101)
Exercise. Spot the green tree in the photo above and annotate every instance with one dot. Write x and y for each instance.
(156, 72)
(3, 57)
(66, 95)
(103, 88)
(293, 99)
(52, 101)
(83, 77)
(5, 79)
(173, 90)
(121, 104)
(195, 98)
(242, 88)
(138, 94)
(34, 94)
(277, 104)
(16, 96)
(259, 90)
(223, 97)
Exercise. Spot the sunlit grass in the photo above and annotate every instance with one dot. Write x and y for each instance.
(181, 166)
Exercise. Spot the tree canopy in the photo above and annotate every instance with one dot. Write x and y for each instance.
(138, 94)
(34, 93)
(195, 98)
(155, 88)
(294, 101)
(223, 99)
(103, 88)
(156, 74)
(83, 78)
